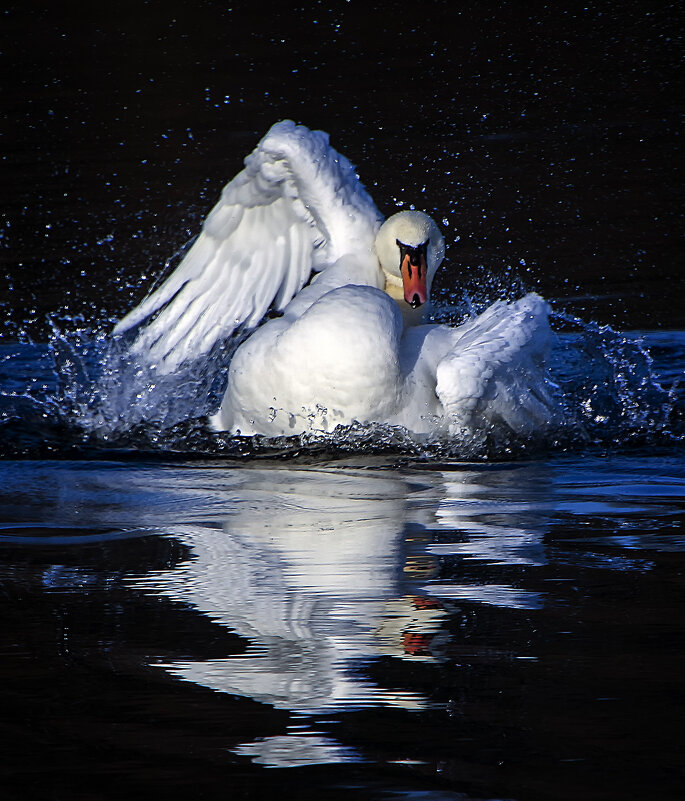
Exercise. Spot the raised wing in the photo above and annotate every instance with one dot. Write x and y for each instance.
(297, 206)
(495, 371)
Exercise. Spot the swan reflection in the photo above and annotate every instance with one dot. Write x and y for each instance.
(310, 567)
(499, 515)
(322, 570)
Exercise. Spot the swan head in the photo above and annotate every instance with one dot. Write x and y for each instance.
(410, 248)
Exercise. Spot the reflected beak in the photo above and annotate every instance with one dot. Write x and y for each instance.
(414, 273)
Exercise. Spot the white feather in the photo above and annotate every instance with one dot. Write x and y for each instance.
(297, 206)
(494, 371)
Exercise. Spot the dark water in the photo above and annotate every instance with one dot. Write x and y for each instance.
(187, 614)
(461, 631)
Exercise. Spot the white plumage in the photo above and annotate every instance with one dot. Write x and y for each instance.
(348, 345)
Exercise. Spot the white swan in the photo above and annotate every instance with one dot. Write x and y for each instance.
(348, 345)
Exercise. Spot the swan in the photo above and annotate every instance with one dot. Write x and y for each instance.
(296, 235)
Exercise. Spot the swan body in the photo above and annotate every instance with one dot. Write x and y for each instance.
(296, 232)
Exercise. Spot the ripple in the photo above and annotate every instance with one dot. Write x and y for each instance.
(56, 535)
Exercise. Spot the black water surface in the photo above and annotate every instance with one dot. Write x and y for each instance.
(186, 615)
(493, 631)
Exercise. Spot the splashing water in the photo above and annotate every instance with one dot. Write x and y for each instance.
(610, 389)
(83, 391)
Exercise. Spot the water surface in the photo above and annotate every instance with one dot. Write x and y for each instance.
(194, 615)
(502, 630)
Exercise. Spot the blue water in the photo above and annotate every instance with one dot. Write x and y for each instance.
(411, 618)
(80, 393)
(478, 630)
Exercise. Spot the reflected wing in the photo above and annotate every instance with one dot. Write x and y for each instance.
(296, 207)
(495, 371)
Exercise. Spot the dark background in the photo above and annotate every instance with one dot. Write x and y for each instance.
(545, 139)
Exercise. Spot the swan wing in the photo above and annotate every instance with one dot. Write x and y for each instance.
(297, 206)
(495, 370)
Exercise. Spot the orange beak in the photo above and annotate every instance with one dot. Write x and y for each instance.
(414, 273)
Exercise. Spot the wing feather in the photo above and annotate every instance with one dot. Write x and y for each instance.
(297, 206)
(495, 370)
(295, 247)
